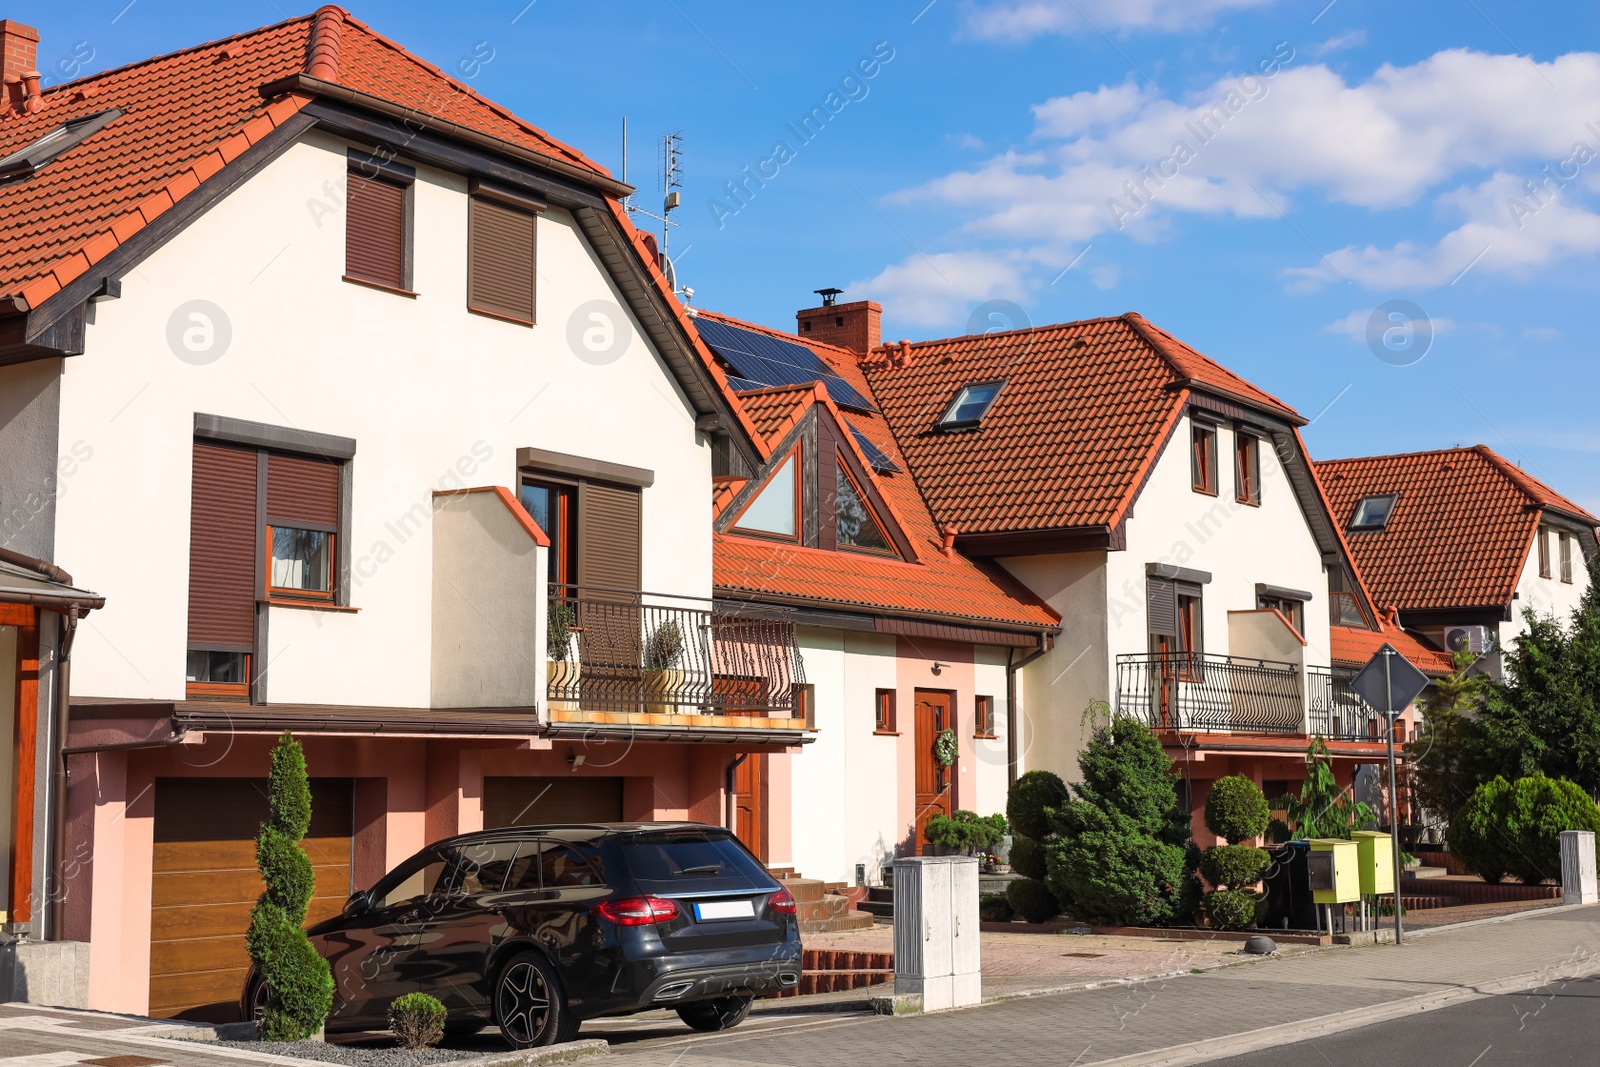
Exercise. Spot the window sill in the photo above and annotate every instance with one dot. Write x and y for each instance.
(1247, 503)
(1204, 491)
(309, 605)
(500, 316)
(380, 286)
(986, 737)
(886, 733)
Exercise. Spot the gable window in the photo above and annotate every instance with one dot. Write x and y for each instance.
(884, 711)
(775, 511)
(1203, 459)
(983, 716)
(858, 528)
(1543, 540)
(1566, 559)
(1247, 468)
(502, 254)
(1373, 512)
(30, 158)
(971, 404)
(377, 230)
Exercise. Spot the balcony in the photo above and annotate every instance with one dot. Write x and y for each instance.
(649, 660)
(1192, 693)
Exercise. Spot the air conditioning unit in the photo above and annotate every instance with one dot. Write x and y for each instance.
(1475, 639)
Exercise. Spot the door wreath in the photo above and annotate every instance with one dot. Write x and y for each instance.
(946, 748)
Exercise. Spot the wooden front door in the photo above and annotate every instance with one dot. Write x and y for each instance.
(934, 783)
(750, 803)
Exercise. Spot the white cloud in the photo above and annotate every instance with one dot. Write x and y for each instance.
(1024, 19)
(1356, 324)
(1542, 333)
(1105, 278)
(966, 141)
(1353, 39)
(1132, 159)
(940, 290)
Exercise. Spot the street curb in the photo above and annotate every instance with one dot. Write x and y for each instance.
(1339, 1022)
(1514, 916)
(566, 1052)
(897, 1004)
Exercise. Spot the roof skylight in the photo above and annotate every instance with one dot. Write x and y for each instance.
(970, 405)
(1373, 512)
(68, 135)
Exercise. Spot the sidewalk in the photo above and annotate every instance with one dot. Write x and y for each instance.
(1094, 1026)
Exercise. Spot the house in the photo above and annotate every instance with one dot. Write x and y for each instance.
(1166, 510)
(411, 447)
(903, 637)
(1460, 543)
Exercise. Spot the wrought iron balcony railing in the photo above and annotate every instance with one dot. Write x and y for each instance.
(621, 651)
(1336, 712)
(1212, 694)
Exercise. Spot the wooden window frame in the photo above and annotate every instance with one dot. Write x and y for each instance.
(1543, 539)
(796, 457)
(1203, 458)
(1565, 547)
(274, 594)
(885, 712)
(888, 551)
(238, 692)
(1247, 468)
(983, 718)
(581, 487)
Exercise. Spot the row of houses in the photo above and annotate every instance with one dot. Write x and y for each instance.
(419, 456)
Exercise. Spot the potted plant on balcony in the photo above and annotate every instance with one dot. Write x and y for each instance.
(663, 649)
(563, 668)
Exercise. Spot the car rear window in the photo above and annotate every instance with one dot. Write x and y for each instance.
(690, 859)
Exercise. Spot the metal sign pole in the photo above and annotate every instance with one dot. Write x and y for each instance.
(1394, 792)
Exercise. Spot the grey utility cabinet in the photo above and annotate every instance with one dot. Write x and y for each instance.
(936, 930)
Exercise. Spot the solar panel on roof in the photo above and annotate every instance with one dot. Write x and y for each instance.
(875, 455)
(770, 361)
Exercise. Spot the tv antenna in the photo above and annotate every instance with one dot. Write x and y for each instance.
(670, 175)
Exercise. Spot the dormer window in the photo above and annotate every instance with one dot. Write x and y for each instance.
(775, 512)
(857, 527)
(69, 135)
(1373, 512)
(970, 405)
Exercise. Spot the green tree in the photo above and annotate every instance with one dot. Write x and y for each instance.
(1515, 827)
(1322, 809)
(299, 983)
(1120, 856)
(1448, 759)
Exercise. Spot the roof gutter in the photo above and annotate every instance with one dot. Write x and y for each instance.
(37, 566)
(415, 119)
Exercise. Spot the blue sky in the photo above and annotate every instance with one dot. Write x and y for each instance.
(1355, 154)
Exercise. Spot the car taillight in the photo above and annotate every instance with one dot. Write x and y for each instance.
(782, 901)
(638, 911)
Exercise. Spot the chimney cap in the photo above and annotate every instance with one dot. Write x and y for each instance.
(828, 296)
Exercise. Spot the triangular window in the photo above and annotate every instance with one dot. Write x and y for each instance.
(858, 527)
(775, 510)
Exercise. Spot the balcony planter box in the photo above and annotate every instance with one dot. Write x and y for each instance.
(663, 685)
(562, 678)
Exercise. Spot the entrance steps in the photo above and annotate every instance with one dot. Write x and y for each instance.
(822, 907)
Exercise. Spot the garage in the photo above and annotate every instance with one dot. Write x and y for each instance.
(205, 882)
(524, 801)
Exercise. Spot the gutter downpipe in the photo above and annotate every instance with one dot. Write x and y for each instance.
(731, 816)
(55, 896)
(1013, 719)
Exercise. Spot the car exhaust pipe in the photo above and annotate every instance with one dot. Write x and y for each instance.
(788, 978)
(674, 991)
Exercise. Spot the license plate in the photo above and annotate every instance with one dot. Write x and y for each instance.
(725, 909)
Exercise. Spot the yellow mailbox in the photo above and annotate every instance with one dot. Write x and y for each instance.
(1333, 868)
(1376, 850)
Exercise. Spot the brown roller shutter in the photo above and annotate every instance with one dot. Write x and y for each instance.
(375, 231)
(609, 536)
(302, 490)
(1161, 605)
(222, 547)
(500, 260)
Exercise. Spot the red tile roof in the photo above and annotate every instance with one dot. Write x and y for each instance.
(1351, 647)
(1084, 411)
(1460, 531)
(187, 115)
(935, 586)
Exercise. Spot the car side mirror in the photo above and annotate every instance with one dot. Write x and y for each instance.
(358, 904)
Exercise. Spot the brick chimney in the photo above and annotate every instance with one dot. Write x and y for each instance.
(19, 48)
(857, 326)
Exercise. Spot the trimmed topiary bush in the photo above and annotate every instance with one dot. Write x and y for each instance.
(299, 984)
(965, 830)
(1032, 900)
(1030, 796)
(1232, 909)
(1027, 858)
(994, 908)
(416, 1020)
(1236, 809)
(1234, 866)
(1515, 827)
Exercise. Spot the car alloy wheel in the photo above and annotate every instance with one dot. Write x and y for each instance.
(528, 1002)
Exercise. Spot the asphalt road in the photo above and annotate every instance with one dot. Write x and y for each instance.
(1558, 1024)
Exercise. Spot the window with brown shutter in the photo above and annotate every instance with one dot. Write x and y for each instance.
(377, 230)
(501, 257)
(610, 536)
(302, 524)
(222, 571)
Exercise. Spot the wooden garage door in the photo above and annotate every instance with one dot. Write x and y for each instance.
(205, 882)
(526, 801)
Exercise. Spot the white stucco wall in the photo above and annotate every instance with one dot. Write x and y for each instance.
(990, 758)
(435, 398)
(1546, 596)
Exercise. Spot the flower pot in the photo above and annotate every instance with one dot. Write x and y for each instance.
(663, 685)
(561, 684)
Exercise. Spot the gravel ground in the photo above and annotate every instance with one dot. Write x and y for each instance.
(350, 1055)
